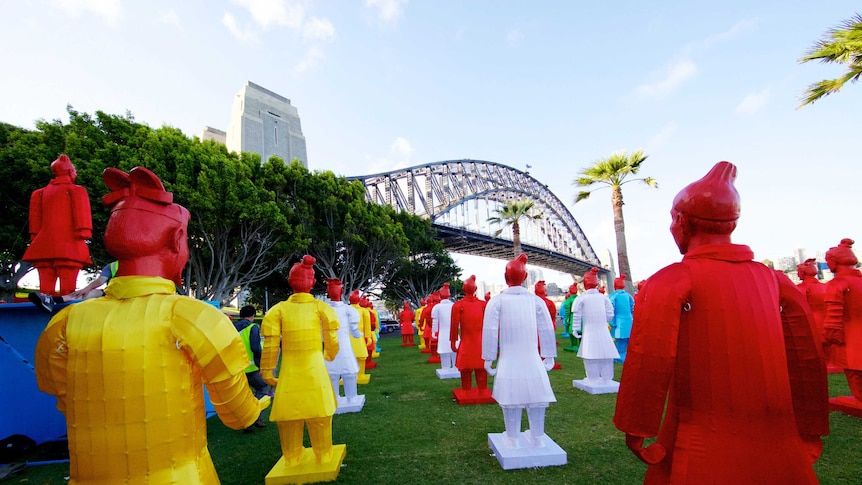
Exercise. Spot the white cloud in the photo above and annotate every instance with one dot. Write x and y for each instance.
(401, 147)
(514, 37)
(229, 21)
(400, 153)
(109, 10)
(387, 10)
(753, 102)
(674, 75)
(738, 29)
(169, 16)
(678, 72)
(318, 29)
(660, 138)
(312, 58)
(274, 12)
(291, 15)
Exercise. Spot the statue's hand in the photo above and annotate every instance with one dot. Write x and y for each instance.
(264, 402)
(549, 363)
(491, 372)
(268, 377)
(650, 455)
(454, 347)
(835, 336)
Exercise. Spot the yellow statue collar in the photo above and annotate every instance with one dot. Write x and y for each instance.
(124, 287)
(300, 298)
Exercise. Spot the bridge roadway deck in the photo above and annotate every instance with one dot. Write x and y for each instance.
(462, 241)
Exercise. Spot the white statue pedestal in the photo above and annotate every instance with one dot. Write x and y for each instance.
(596, 386)
(524, 454)
(345, 406)
(450, 373)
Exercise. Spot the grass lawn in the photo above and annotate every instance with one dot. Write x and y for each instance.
(412, 432)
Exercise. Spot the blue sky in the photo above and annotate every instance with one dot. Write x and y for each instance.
(385, 84)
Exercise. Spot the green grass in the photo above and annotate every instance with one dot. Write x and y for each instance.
(412, 432)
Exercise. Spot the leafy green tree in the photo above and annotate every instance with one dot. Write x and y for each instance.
(842, 45)
(24, 159)
(239, 232)
(424, 269)
(613, 172)
(511, 214)
(352, 239)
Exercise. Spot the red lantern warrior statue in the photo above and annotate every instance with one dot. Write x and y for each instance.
(844, 321)
(368, 307)
(428, 322)
(542, 292)
(60, 225)
(405, 320)
(360, 345)
(467, 315)
(729, 346)
(815, 291)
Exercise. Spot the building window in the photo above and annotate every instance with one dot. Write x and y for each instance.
(276, 136)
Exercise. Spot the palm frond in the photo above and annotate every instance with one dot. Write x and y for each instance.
(651, 182)
(841, 45)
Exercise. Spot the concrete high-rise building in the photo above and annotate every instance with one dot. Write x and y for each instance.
(263, 122)
(214, 134)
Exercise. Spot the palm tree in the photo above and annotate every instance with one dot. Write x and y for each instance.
(510, 214)
(842, 45)
(612, 172)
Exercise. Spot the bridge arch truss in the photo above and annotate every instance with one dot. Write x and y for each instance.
(459, 195)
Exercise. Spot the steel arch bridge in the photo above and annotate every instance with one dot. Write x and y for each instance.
(459, 196)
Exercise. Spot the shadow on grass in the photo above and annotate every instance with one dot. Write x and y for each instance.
(411, 431)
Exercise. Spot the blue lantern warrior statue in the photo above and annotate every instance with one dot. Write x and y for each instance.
(621, 325)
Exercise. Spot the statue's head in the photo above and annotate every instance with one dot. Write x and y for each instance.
(62, 166)
(516, 270)
(470, 285)
(406, 305)
(573, 288)
(354, 297)
(434, 298)
(364, 302)
(807, 268)
(423, 301)
(708, 206)
(444, 292)
(591, 279)
(301, 276)
(146, 231)
(334, 289)
(620, 283)
(540, 288)
(842, 255)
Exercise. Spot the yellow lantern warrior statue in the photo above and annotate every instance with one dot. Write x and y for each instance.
(128, 368)
(303, 393)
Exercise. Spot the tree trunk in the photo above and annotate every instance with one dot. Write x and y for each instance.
(620, 230)
(516, 238)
